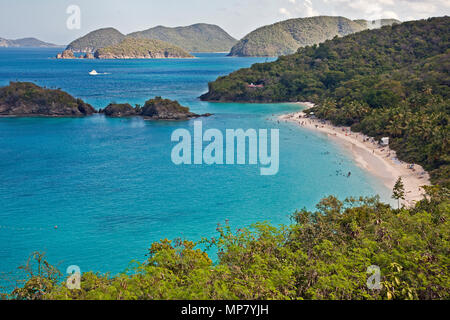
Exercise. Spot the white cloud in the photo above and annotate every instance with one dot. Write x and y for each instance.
(284, 11)
(376, 9)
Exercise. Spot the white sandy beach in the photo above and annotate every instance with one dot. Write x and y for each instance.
(380, 161)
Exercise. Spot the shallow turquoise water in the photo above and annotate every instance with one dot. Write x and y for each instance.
(109, 184)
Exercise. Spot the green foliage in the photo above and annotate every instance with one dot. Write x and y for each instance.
(199, 37)
(322, 255)
(391, 82)
(398, 191)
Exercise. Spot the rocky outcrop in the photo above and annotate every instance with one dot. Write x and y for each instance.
(120, 110)
(154, 109)
(88, 56)
(66, 54)
(28, 99)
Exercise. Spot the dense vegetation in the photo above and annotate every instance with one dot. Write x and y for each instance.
(286, 37)
(141, 48)
(28, 99)
(323, 255)
(199, 37)
(392, 81)
(96, 39)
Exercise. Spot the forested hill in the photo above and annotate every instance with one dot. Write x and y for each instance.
(391, 81)
(200, 37)
(286, 37)
(97, 39)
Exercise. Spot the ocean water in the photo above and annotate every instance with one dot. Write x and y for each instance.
(110, 185)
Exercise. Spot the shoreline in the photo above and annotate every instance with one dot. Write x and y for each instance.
(379, 161)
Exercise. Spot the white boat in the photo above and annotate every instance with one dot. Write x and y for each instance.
(93, 73)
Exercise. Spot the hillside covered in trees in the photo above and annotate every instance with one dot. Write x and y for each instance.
(285, 37)
(131, 48)
(200, 37)
(392, 81)
(96, 39)
(323, 255)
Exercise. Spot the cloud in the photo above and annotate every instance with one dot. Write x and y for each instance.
(376, 9)
(284, 12)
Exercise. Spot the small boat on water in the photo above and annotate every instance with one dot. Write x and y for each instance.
(93, 73)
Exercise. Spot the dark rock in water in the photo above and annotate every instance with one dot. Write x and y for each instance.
(119, 110)
(165, 109)
(66, 54)
(28, 99)
(159, 108)
(154, 109)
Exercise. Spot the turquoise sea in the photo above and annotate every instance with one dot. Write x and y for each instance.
(109, 184)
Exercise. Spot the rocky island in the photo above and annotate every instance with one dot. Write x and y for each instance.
(131, 48)
(25, 99)
(154, 109)
(28, 99)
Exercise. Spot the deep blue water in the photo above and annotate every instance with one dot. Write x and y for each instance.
(109, 184)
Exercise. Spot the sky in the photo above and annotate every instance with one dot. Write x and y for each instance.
(47, 19)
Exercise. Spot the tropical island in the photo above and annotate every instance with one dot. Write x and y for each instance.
(131, 48)
(25, 99)
(199, 37)
(153, 109)
(141, 49)
(388, 82)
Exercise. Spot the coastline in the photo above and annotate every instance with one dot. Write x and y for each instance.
(379, 161)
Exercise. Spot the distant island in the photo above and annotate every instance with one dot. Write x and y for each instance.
(286, 37)
(131, 48)
(200, 37)
(194, 38)
(25, 99)
(26, 43)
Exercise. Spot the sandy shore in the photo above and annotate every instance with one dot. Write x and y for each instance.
(379, 161)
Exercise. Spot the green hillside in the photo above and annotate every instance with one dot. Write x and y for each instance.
(286, 37)
(392, 81)
(132, 48)
(96, 39)
(196, 38)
